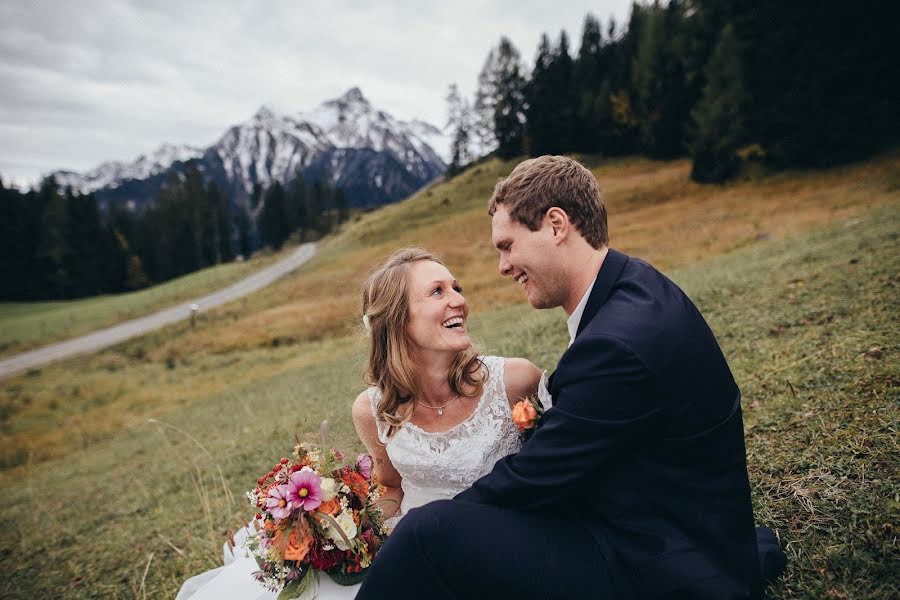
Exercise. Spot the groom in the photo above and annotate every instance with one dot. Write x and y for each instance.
(635, 484)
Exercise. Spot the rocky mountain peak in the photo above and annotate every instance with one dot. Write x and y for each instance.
(345, 141)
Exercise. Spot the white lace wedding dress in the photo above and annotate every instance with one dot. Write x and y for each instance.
(433, 465)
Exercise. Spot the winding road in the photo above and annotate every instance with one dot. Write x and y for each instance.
(103, 338)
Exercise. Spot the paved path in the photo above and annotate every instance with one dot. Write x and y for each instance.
(103, 338)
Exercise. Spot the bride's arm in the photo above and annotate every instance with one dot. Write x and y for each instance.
(521, 379)
(385, 473)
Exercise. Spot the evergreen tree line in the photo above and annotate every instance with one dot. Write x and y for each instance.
(308, 210)
(57, 244)
(800, 84)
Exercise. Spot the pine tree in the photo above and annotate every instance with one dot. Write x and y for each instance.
(563, 113)
(615, 103)
(646, 80)
(242, 225)
(509, 110)
(86, 262)
(297, 206)
(717, 118)
(542, 102)
(195, 221)
(217, 226)
(274, 226)
(18, 225)
(588, 87)
(53, 248)
(459, 124)
(484, 136)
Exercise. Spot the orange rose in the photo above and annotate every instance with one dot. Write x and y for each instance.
(330, 507)
(524, 415)
(297, 544)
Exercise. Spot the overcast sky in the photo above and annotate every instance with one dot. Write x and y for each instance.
(86, 81)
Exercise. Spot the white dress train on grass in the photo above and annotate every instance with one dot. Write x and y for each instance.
(433, 465)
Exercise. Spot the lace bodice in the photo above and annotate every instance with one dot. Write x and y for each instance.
(436, 465)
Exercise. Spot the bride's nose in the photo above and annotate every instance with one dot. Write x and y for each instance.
(457, 299)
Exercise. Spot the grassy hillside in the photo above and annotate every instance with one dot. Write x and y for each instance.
(26, 325)
(806, 319)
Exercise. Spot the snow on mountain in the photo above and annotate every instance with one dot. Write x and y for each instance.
(346, 141)
(112, 174)
(327, 140)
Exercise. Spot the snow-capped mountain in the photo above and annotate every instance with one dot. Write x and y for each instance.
(374, 157)
(111, 174)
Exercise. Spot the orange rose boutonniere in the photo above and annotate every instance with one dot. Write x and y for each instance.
(526, 414)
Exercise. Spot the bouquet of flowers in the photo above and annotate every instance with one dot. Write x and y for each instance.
(315, 513)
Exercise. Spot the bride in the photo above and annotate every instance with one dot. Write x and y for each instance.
(436, 416)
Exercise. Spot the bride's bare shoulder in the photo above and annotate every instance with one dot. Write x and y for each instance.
(521, 378)
(362, 408)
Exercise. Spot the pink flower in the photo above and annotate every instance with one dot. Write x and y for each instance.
(277, 502)
(304, 489)
(364, 465)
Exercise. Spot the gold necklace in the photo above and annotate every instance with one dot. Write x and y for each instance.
(439, 409)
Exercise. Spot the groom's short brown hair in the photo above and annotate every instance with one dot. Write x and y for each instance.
(538, 184)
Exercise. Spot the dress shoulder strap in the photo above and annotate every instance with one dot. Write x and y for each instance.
(374, 397)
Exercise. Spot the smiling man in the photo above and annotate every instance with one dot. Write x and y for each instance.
(635, 483)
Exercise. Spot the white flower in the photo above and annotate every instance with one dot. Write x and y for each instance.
(345, 521)
(329, 488)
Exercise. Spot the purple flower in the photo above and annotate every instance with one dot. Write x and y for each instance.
(277, 502)
(264, 541)
(305, 489)
(364, 465)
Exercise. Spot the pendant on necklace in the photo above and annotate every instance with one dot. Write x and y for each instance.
(440, 411)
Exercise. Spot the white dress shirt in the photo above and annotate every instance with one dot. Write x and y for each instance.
(575, 317)
(573, 322)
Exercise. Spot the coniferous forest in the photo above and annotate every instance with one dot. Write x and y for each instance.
(723, 82)
(58, 244)
(788, 84)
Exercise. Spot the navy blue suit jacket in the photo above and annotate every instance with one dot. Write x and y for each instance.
(644, 445)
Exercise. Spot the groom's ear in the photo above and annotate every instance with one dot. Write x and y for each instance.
(558, 221)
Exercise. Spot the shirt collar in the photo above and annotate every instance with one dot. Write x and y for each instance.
(575, 317)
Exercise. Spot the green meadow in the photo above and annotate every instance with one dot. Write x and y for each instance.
(122, 471)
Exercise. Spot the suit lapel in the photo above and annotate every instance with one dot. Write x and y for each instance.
(609, 273)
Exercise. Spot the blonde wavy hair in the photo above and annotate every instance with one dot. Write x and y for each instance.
(390, 368)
